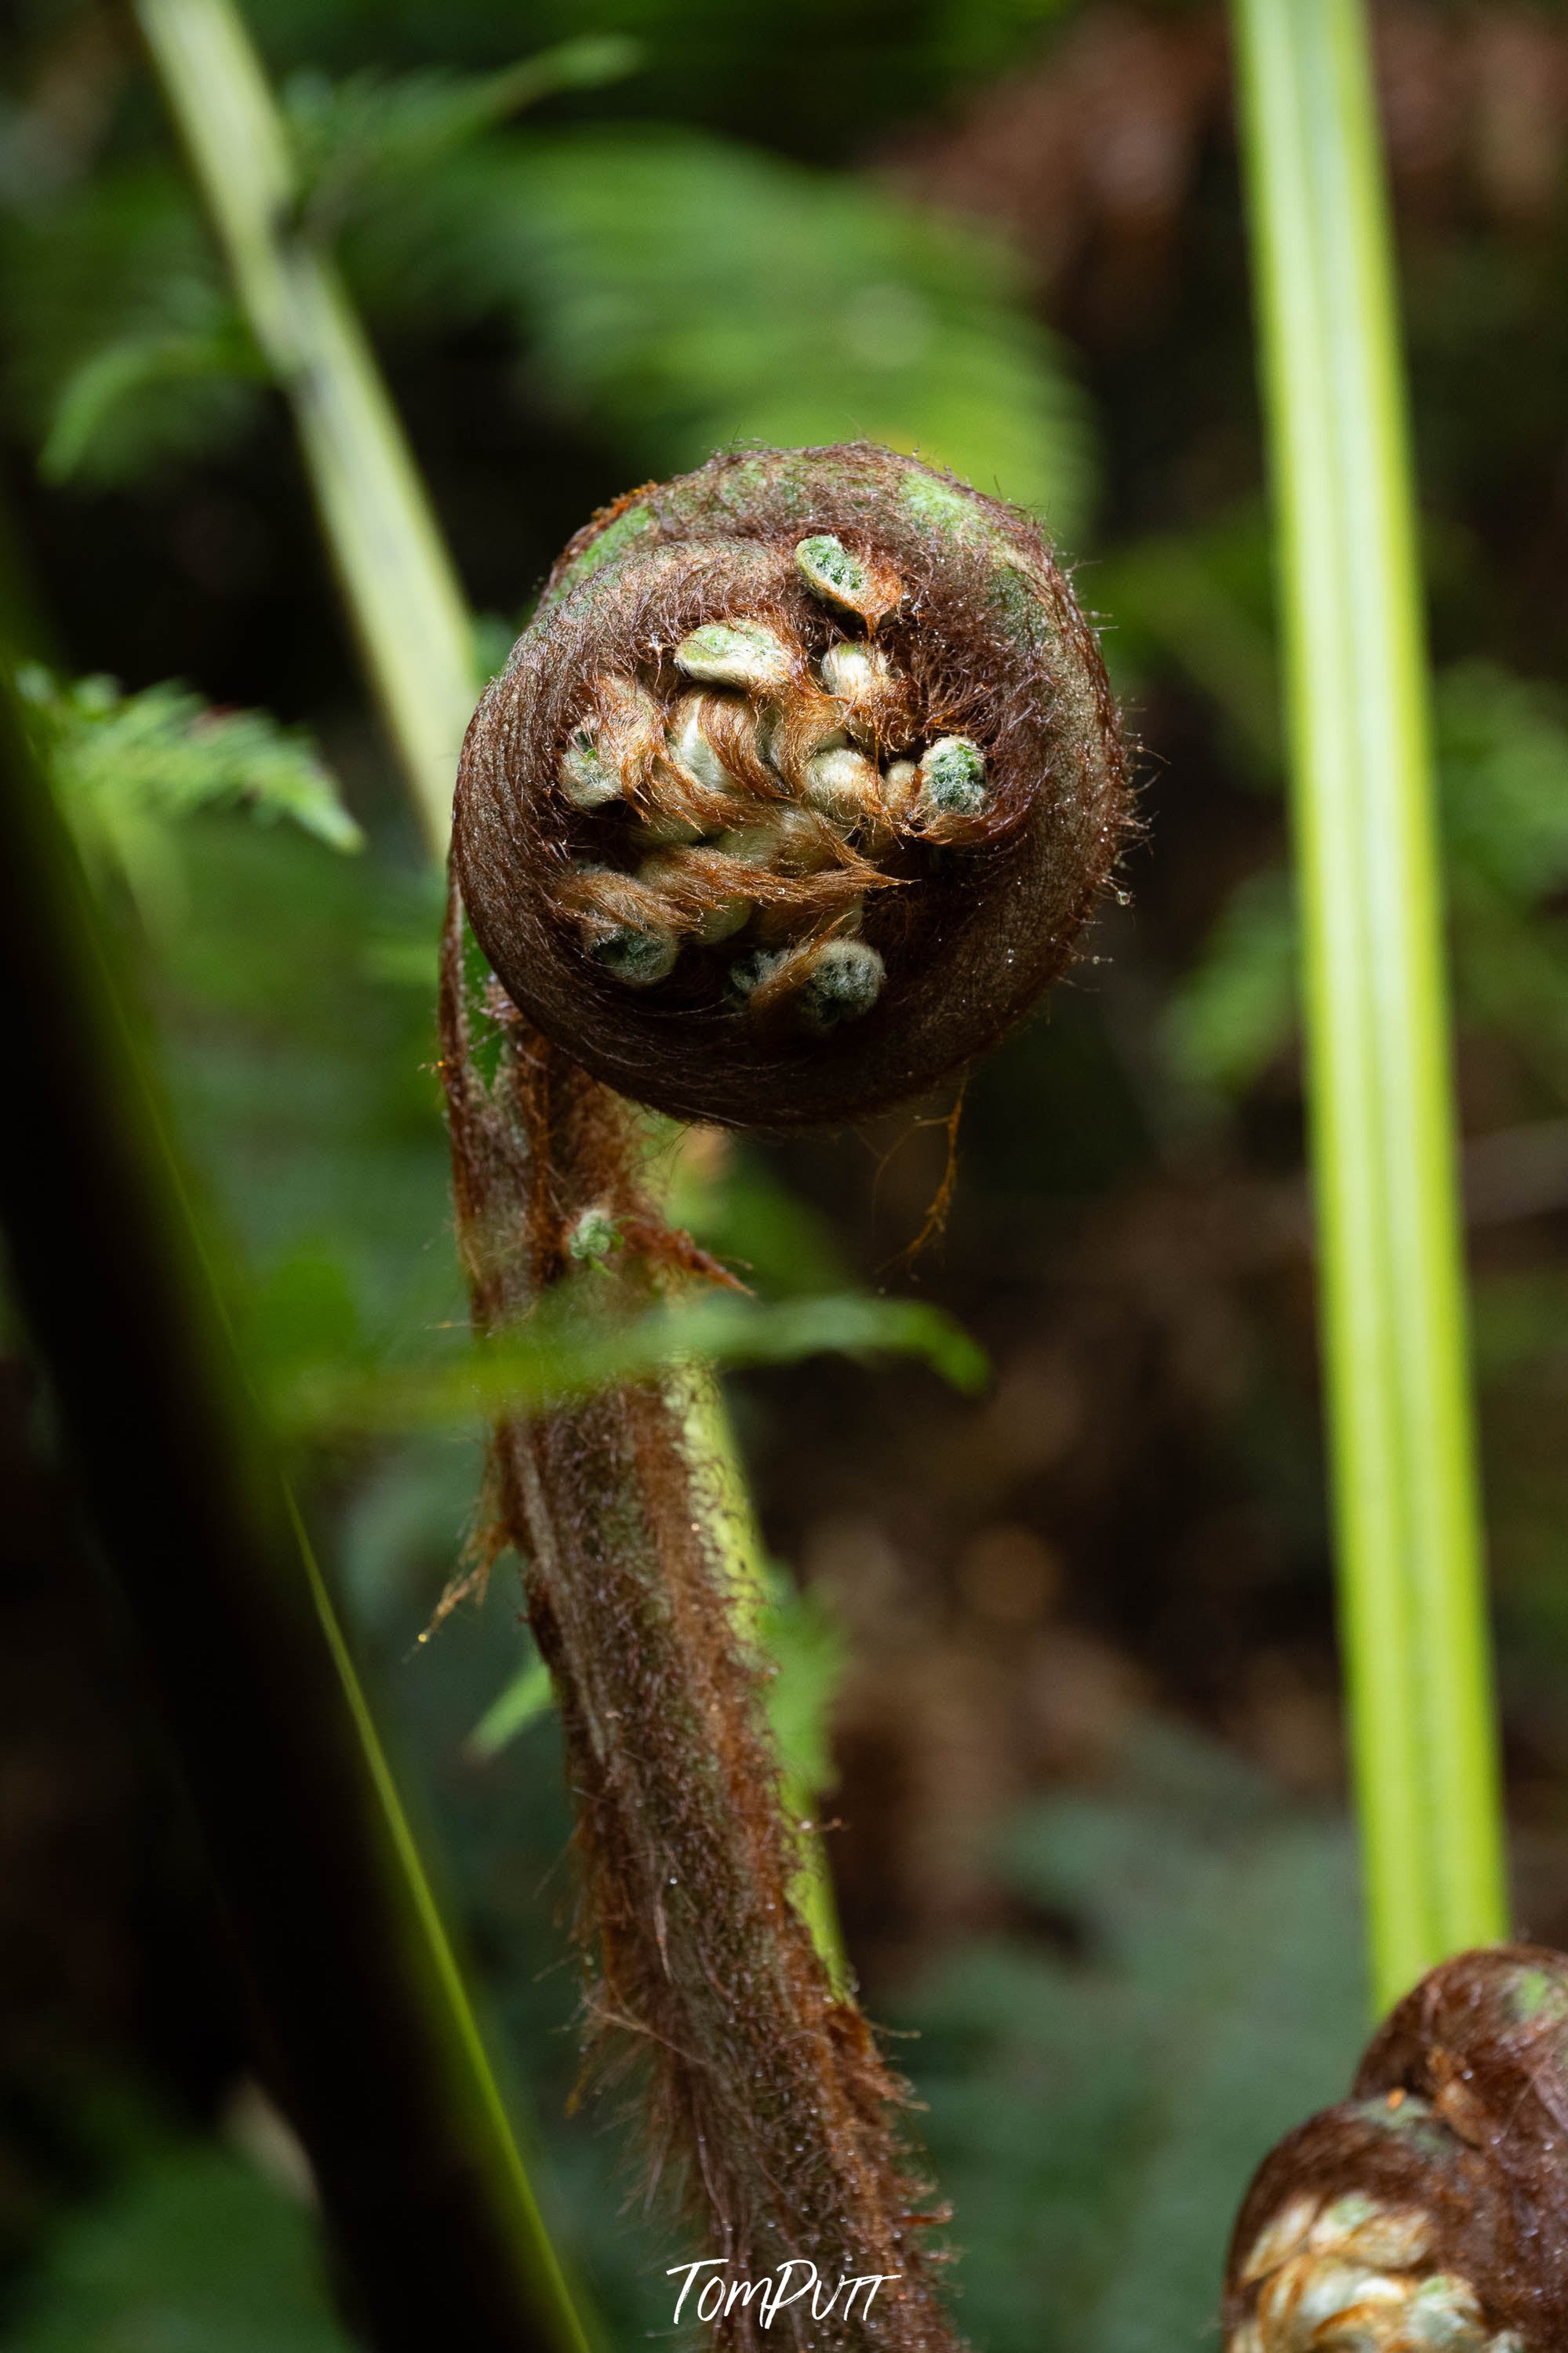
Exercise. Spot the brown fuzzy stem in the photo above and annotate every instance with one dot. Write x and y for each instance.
(767, 2091)
(795, 793)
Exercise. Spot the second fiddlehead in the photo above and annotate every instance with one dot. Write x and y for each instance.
(1424, 2213)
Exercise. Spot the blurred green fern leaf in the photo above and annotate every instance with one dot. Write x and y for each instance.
(335, 1390)
(358, 139)
(693, 292)
(108, 413)
(682, 292)
(1237, 1007)
(127, 769)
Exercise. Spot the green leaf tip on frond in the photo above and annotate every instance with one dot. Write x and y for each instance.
(127, 352)
(129, 769)
(520, 1703)
(96, 418)
(593, 1237)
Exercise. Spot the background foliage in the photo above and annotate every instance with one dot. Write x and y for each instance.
(1071, 1637)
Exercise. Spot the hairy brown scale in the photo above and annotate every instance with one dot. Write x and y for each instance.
(1426, 2213)
(800, 888)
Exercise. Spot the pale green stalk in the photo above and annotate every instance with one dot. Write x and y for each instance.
(1412, 1602)
(398, 581)
(397, 576)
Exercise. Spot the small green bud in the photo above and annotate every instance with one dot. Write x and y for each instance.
(789, 838)
(667, 832)
(828, 569)
(953, 782)
(831, 739)
(1344, 2218)
(843, 983)
(1397, 2237)
(587, 781)
(593, 1237)
(1305, 2304)
(735, 653)
(636, 954)
(768, 720)
(797, 728)
(1280, 2236)
(830, 572)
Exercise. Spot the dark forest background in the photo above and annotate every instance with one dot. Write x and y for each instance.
(1071, 1640)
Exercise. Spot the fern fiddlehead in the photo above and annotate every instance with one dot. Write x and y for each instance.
(797, 792)
(794, 794)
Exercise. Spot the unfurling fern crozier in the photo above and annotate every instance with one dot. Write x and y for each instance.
(797, 792)
(794, 795)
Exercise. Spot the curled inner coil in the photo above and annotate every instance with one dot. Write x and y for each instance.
(743, 793)
(798, 791)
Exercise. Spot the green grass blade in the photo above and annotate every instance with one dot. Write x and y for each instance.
(1412, 1603)
(368, 2031)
